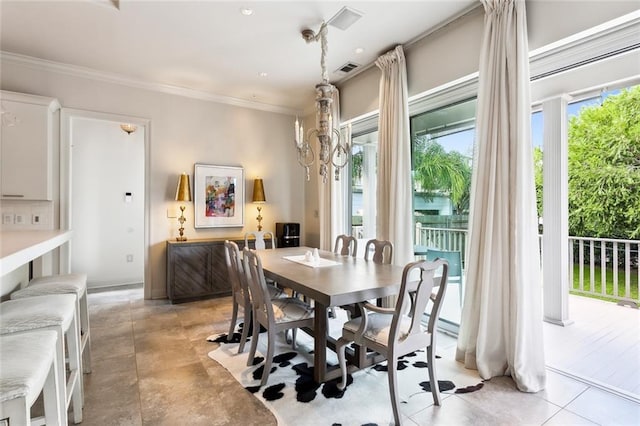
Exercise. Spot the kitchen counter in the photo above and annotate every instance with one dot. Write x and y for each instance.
(20, 247)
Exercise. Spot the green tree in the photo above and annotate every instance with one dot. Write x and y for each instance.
(537, 168)
(604, 168)
(441, 172)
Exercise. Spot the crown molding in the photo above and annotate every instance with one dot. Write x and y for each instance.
(89, 73)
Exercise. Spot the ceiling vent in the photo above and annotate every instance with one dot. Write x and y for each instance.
(345, 18)
(348, 67)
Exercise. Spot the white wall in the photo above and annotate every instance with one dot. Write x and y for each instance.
(185, 131)
(106, 164)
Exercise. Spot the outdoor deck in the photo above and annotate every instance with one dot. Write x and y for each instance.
(602, 345)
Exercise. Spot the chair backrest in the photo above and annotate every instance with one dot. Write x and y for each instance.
(346, 245)
(453, 257)
(254, 274)
(234, 266)
(382, 251)
(260, 236)
(420, 292)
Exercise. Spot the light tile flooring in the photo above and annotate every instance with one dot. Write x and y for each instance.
(150, 367)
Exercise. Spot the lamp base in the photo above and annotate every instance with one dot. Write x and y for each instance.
(182, 220)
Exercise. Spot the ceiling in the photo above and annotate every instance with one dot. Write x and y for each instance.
(210, 47)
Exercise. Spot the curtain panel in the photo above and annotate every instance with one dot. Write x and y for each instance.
(501, 327)
(394, 192)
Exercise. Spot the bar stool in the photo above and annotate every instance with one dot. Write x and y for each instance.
(63, 284)
(53, 312)
(30, 367)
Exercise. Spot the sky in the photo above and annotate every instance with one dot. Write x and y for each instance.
(463, 141)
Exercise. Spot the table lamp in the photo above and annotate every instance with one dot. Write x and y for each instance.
(183, 193)
(258, 198)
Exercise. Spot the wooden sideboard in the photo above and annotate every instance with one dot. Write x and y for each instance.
(196, 269)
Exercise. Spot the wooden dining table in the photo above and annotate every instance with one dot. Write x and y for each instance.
(344, 281)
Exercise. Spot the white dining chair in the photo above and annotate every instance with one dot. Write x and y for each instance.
(393, 333)
(260, 238)
(276, 315)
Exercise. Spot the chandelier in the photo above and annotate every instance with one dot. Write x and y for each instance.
(334, 150)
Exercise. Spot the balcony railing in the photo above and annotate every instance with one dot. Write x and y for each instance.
(605, 267)
(601, 267)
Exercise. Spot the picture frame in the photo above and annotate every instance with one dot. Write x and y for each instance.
(218, 196)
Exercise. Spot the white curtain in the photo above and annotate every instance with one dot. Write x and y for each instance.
(394, 201)
(501, 327)
(332, 203)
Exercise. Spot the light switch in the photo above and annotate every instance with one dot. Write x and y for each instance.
(127, 197)
(19, 219)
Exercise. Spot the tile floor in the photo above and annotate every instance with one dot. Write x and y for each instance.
(150, 367)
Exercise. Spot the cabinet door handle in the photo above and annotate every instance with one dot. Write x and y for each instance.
(13, 195)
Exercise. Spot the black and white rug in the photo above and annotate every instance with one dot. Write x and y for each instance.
(296, 399)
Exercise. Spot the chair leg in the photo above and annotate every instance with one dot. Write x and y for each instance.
(269, 357)
(294, 333)
(435, 389)
(342, 358)
(245, 329)
(392, 373)
(234, 318)
(254, 340)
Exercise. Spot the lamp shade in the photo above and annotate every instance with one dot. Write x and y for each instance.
(183, 192)
(258, 191)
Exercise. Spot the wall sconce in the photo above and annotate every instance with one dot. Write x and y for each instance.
(128, 128)
(183, 193)
(258, 198)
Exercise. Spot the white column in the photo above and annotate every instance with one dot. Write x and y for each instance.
(555, 259)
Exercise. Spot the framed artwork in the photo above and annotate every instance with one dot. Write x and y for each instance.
(219, 196)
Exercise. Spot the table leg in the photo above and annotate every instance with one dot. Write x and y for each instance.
(320, 331)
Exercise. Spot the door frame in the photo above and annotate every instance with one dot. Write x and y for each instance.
(66, 221)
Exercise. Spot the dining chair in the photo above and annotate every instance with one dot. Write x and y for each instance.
(393, 333)
(455, 267)
(276, 315)
(346, 245)
(382, 251)
(240, 292)
(260, 237)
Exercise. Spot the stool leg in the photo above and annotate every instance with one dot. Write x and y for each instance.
(86, 334)
(51, 394)
(62, 385)
(75, 367)
(16, 410)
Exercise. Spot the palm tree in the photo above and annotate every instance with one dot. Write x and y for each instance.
(439, 172)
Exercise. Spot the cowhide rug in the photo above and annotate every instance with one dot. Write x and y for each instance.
(296, 399)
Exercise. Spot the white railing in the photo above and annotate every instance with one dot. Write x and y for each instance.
(619, 266)
(602, 261)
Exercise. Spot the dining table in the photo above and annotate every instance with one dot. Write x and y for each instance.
(332, 280)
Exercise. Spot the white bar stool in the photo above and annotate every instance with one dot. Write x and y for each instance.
(62, 284)
(30, 367)
(53, 312)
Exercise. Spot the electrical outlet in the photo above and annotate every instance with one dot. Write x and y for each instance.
(19, 219)
(7, 218)
(129, 258)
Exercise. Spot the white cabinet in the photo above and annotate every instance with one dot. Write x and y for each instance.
(30, 132)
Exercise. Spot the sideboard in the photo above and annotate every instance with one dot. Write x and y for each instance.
(196, 269)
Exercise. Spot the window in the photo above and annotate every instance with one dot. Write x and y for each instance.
(363, 185)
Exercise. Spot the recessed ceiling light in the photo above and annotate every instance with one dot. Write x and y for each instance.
(263, 74)
(359, 50)
(246, 11)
